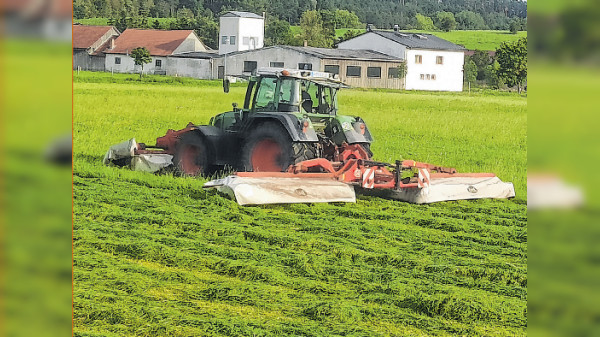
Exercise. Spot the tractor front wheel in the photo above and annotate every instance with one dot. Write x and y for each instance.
(191, 157)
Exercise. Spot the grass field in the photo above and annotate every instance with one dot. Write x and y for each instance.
(157, 256)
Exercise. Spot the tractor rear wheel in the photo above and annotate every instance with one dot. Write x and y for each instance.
(191, 157)
(270, 149)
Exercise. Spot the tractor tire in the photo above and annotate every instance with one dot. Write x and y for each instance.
(191, 156)
(270, 149)
(304, 151)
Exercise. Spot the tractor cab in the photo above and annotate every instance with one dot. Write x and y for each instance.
(299, 93)
(295, 91)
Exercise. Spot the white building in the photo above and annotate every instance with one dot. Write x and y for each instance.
(160, 43)
(431, 63)
(241, 31)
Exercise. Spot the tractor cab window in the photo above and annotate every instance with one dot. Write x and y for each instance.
(309, 97)
(289, 97)
(317, 98)
(327, 101)
(265, 96)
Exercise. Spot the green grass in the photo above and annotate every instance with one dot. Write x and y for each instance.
(478, 39)
(157, 255)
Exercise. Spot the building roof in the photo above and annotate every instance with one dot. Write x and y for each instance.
(198, 54)
(418, 40)
(329, 53)
(85, 36)
(242, 15)
(158, 42)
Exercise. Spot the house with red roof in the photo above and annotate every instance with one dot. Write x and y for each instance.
(89, 44)
(161, 44)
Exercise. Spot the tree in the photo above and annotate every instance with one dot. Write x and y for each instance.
(482, 60)
(424, 22)
(491, 76)
(350, 33)
(329, 23)
(470, 71)
(312, 30)
(207, 30)
(445, 21)
(516, 25)
(468, 20)
(347, 19)
(141, 56)
(277, 32)
(512, 61)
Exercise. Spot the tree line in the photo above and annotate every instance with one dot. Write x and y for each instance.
(494, 14)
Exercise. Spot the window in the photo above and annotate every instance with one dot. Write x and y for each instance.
(393, 72)
(439, 60)
(419, 59)
(276, 64)
(158, 63)
(374, 72)
(224, 39)
(265, 97)
(433, 77)
(232, 40)
(305, 66)
(249, 66)
(117, 60)
(332, 69)
(353, 71)
(428, 76)
(422, 76)
(245, 41)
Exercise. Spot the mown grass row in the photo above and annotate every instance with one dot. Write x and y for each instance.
(288, 263)
(155, 255)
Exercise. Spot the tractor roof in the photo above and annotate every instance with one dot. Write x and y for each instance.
(319, 77)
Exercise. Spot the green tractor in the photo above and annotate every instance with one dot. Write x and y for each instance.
(288, 116)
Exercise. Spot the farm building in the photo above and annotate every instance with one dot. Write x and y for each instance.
(160, 43)
(240, 31)
(431, 63)
(197, 64)
(89, 42)
(358, 68)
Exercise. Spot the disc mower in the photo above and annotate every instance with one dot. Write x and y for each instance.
(288, 144)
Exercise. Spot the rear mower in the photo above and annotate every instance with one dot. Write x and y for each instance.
(289, 145)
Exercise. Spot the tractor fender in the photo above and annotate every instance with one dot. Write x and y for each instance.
(350, 130)
(292, 124)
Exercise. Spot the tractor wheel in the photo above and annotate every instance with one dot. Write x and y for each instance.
(304, 151)
(191, 157)
(268, 149)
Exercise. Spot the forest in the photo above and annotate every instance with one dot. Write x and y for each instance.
(491, 14)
